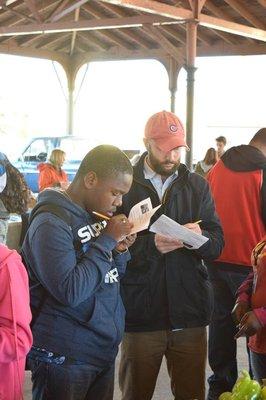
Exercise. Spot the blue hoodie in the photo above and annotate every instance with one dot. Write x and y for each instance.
(82, 315)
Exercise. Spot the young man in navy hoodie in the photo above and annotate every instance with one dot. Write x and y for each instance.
(78, 315)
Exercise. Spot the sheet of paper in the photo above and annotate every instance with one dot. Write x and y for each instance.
(167, 227)
(140, 215)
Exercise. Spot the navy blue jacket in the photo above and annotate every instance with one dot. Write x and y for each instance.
(82, 315)
(171, 291)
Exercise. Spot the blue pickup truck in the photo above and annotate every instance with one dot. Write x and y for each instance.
(39, 149)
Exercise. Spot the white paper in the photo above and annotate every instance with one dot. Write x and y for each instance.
(140, 215)
(167, 227)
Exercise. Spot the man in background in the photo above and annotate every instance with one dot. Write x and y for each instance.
(166, 291)
(238, 185)
(220, 145)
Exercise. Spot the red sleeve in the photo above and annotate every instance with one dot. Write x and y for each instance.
(261, 315)
(245, 290)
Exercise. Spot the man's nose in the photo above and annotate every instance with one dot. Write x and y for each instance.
(118, 201)
(172, 156)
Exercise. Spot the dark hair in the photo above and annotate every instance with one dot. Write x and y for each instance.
(210, 156)
(105, 160)
(16, 194)
(221, 139)
(260, 136)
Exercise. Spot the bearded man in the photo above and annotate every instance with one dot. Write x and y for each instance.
(166, 290)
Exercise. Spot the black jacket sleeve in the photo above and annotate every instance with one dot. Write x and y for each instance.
(211, 227)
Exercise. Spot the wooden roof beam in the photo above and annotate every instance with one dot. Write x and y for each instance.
(28, 40)
(218, 12)
(67, 10)
(131, 35)
(18, 13)
(176, 53)
(117, 40)
(165, 10)
(58, 8)
(174, 34)
(196, 6)
(45, 43)
(92, 39)
(262, 2)
(121, 13)
(246, 14)
(12, 22)
(92, 24)
(74, 34)
(33, 9)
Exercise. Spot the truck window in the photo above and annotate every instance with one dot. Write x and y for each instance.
(38, 150)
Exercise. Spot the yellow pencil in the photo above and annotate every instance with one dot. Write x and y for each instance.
(100, 215)
(198, 222)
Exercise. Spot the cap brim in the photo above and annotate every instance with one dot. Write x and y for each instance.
(170, 143)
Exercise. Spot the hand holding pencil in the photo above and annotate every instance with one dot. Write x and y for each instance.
(118, 226)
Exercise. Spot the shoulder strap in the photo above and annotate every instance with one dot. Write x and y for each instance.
(51, 208)
(59, 212)
(62, 214)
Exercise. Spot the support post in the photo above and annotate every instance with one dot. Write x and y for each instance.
(71, 67)
(70, 104)
(173, 73)
(190, 68)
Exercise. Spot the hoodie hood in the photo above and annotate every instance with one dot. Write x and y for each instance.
(244, 158)
(56, 196)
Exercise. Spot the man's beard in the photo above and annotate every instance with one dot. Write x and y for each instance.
(159, 168)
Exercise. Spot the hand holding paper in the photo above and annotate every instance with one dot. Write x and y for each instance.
(140, 215)
(167, 227)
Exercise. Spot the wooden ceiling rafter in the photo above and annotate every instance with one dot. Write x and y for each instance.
(33, 9)
(45, 44)
(28, 40)
(169, 48)
(245, 13)
(68, 10)
(58, 8)
(262, 3)
(221, 13)
(74, 34)
(118, 11)
(131, 35)
(94, 40)
(163, 9)
(15, 21)
(18, 13)
(171, 31)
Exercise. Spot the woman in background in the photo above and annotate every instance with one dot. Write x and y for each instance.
(51, 173)
(203, 167)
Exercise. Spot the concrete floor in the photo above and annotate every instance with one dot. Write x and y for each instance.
(162, 391)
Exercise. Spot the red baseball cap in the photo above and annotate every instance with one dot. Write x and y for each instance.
(166, 129)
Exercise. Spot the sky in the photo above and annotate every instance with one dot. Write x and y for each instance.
(116, 99)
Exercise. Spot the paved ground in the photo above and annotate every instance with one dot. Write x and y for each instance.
(162, 391)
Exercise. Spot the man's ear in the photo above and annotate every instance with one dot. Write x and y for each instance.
(90, 180)
(146, 144)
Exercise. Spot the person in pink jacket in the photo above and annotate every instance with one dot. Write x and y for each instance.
(15, 317)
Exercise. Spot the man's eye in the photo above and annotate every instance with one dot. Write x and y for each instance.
(115, 194)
